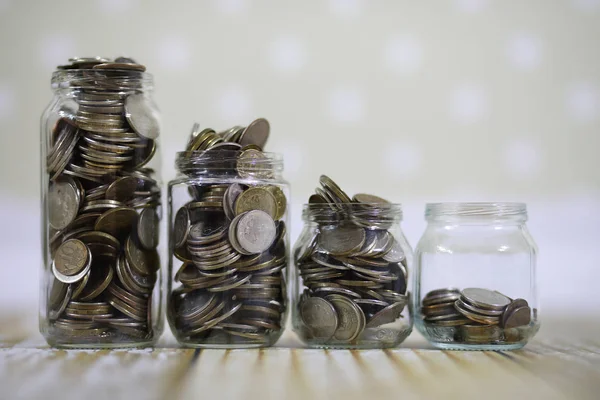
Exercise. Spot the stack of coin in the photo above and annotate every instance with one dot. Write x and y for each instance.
(103, 205)
(231, 241)
(353, 268)
(481, 315)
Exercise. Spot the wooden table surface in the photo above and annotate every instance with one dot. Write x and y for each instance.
(562, 362)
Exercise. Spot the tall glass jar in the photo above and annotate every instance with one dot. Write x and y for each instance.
(228, 247)
(475, 282)
(101, 207)
(350, 276)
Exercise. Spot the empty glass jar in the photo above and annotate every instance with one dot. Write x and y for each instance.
(350, 275)
(228, 245)
(100, 282)
(475, 277)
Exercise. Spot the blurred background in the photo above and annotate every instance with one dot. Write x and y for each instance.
(463, 100)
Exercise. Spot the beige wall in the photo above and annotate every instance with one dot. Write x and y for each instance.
(414, 101)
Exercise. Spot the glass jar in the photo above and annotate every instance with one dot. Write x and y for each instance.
(101, 207)
(350, 276)
(475, 279)
(228, 247)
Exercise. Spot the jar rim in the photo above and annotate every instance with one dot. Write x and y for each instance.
(203, 161)
(331, 212)
(476, 210)
(76, 78)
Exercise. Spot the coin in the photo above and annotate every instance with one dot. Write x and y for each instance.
(369, 199)
(148, 229)
(517, 317)
(387, 315)
(143, 261)
(64, 201)
(72, 257)
(485, 298)
(256, 133)
(351, 319)
(181, 227)
(341, 240)
(320, 317)
(142, 118)
(118, 221)
(257, 198)
(255, 231)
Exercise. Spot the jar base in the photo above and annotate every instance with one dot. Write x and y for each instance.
(478, 347)
(373, 338)
(101, 346)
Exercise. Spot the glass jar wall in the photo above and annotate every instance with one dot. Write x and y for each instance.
(475, 277)
(228, 243)
(351, 271)
(101, 207)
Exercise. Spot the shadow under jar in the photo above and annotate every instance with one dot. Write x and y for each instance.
(101, 209)
(350, 280)
(229, 249)
(475, 277)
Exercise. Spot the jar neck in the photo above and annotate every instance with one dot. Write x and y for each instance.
(477, 213)
(369, 215)
(66, 82)
(229, 163)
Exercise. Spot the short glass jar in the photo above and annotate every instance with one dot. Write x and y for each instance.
(101, 207)
(228, 248)
(350, 277)
(475, 282)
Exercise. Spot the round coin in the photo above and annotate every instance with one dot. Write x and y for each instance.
(141, 118)
(320, 317)
(72, 257)
(257, 198)
(181, 227)
(339, 240)
(256, 133)
(351, 319)
(368, 199)
(255, 231)
(517, 317)
(148, 228)
(485, 298)
(64, 201)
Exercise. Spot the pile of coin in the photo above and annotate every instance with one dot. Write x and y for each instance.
(231, 241)
(102, 205)
(353, 269)
(480, 315)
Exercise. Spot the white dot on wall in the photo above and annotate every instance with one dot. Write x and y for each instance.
(7, 101)
(583, 102)
(174, 53)
(287, 54)
(471, 6)
(401, 159)
(346, 105)
(525, 51)
(468, 103)
(347, 8)
(522, 159)
(587, 5)
(231, 6)
(116, 7)
(403, 54)
(233, 104)
(57, 49)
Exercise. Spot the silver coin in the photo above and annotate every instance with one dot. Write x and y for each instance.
(181, 227)
(388, 315)
(256, 133)
(141, 118)
(319, 316)
(485, 298)
(341, 240)
(64, 201)
(229, 198)
(395, 254)
(517, 317)
(351, 319)
(148, 228)
(256, 231)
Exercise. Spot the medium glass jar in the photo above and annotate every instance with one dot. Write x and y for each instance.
(475, 282)
(350, 276)
(101, 207)
(228, 246)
